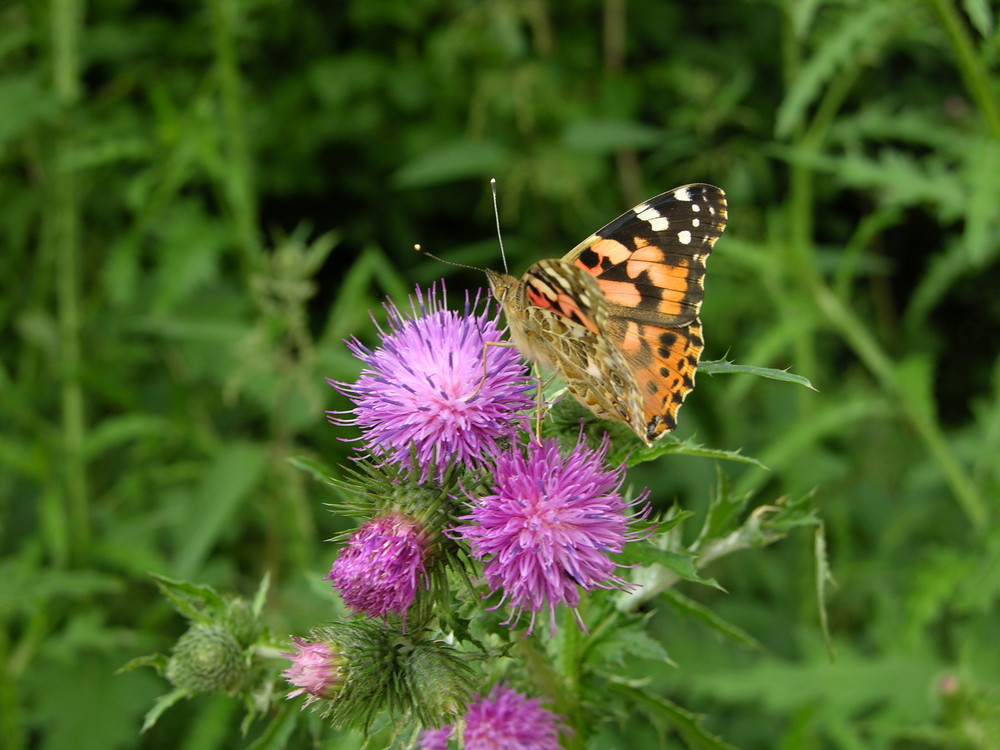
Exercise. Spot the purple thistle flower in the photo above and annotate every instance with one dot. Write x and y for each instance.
(422, 389)
(378, 571)
(314, 670)
(548, 526)
(434, 739)
(507, 719)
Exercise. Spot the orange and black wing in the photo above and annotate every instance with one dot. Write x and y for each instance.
(650, 261)
(650, 265)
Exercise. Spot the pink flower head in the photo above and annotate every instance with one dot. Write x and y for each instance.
(548, 527)
(379, 569)
(314, 670)
(505, 719)
(434, 739)
(422, 392)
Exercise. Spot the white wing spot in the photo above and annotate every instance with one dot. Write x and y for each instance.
(682, 194)
(652, 217)
(684, 237)
(695, 207)
(696, 222)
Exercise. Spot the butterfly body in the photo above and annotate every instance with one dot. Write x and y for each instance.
(617, 317)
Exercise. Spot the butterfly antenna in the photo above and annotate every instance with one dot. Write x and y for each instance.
(420, 250)
(496, 214)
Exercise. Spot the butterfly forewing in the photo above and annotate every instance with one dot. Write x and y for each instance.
(650, 261)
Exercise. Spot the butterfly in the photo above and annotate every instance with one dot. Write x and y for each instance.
(617, 317)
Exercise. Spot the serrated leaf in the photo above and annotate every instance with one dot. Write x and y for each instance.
(721, 366)
(687, 724)
(722, 510)
(631, 639)
(680, 563)
(823, 577)
(156, 661)
(195, 601)
(688, 448)
(162, 704)
(980, 238)
(675, 519)
(707, 617)
(865, 27)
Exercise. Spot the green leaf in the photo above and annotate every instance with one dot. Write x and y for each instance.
(275, 735)
(162, 704)
(313, 467)
(156, 661)
(721, 366)
(195, 601)
(706, 616)
(680, 563)
(608, 650)
(981, 14)
(675, 517)
(457, 161)
(260, 598)
(119, 430)
(26, 103)
(687, 724)
(865, 27)
(981, 238)
(823, 577)
(227, 484)
(605, 136)
(687, 448)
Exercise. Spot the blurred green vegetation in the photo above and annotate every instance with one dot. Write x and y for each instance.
(198, 201)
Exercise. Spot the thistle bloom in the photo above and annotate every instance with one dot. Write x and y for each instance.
(507, 719)
(504, 720)
(314, 670)
(548, 526)
(434, 739)
(422, 393)
(379, 570)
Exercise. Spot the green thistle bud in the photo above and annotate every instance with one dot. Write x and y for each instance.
(437, 680)
(241, 621)
(207, 658)
(367, 667)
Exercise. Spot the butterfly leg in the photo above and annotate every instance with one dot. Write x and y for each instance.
(538, 403)
(506, 345)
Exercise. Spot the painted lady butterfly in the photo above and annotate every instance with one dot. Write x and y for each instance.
(617, 317)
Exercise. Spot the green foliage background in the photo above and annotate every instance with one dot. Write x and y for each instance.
(198, 201)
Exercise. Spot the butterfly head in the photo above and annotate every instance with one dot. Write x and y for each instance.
(504, 287)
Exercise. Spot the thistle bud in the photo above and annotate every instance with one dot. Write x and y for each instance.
(315, 670)
(207, 658)
(382, 566)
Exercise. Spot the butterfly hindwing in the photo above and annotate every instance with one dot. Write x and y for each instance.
(663, 362)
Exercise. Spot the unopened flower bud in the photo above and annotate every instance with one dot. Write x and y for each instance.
(315, 670)
(207, 658)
